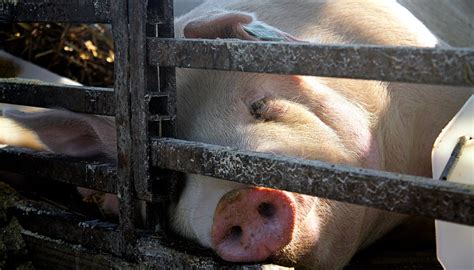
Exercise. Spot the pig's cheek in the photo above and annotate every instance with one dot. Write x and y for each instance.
(194, 213)
(306, 237)
(309, 220)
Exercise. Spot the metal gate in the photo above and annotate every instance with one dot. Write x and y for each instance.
(150, 160)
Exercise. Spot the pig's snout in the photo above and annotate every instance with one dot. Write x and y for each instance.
(251, 224)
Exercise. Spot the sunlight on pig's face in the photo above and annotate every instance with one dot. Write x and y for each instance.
(287, 115)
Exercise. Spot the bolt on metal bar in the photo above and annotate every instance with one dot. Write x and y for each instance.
(81, 99)
(123, 118)
(388, 191)
(454, 157)
(387, 63)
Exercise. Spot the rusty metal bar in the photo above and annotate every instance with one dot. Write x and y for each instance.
(81, 99)
(388, 191)
(123, 119)
(399, 64)
(79, 172)
(70, 11)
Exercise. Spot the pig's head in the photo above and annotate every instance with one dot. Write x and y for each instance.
(289, 115)
(307, 117)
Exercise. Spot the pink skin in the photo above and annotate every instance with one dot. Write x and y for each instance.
(299, 116)
(295, 119)
(251, 224)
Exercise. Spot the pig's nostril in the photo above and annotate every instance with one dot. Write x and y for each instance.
(235, 232)
(267, 210)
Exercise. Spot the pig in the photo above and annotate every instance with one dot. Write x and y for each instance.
(371, 124)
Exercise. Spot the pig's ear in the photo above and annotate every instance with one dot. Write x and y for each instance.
(69, 133)
(229, 24)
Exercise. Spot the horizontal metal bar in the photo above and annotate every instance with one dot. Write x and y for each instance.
(158, 250)
(50, 253)
(400, 64)
(388, 191)
(81, 172)
(151, 252)
(158, 118)
(83, 99)
(95, 175)
(71, 11)
(49, 221)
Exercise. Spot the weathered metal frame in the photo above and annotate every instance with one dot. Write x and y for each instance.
(83, 99)
(386, 63)
(143, 42)
(384, 190)
(150, 251)
(84, 173)
(418, 195)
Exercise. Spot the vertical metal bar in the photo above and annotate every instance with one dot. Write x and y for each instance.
(146, 79)
(165, 181)
(138, 88)
(167, 75)
(123, 119)
(152, 85)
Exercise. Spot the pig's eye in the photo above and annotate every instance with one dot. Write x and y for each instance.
(258, 109)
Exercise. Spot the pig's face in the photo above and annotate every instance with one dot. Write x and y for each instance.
(307, 117)
(289, 115)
